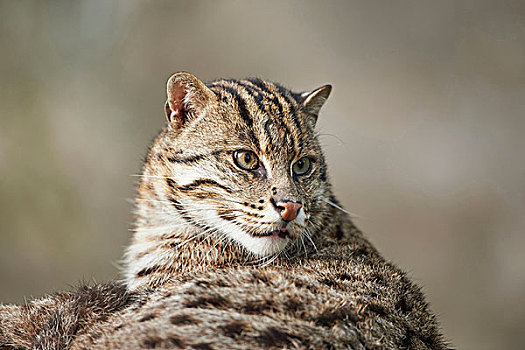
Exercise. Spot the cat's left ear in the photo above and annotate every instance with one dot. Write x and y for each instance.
(314, 100)
(187, 98)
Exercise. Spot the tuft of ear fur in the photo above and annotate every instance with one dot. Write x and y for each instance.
(314, 100)
(187, 97)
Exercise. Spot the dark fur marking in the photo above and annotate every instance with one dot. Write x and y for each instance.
(293, 305)
(407, 341)
(379, 279)
(148, 271)
(260, 277)
(272, 336)
(216, 301)
(194, 158)
(322, 175)
(272, 147)
(195, 184)
(292, 113)
(298, 283)
(257, 96)
(403, 305)
(330, 317)
(432, 339)
(377, 309)
(360, 252)
(243, 111)
(293, 110)
(147, 318)
(258, 306)
(176, 204)
(345, 277)
(329, 283)
(152, 342)
(173, 340)
(202, 346)
(255, 215)
(228, 217)
(270, 95)
(234, 328)
(183, 320)
(171, 184)
(339, 232)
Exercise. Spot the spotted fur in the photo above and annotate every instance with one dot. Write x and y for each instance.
(202, 271)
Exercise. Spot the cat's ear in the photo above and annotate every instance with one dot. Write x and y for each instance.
(187, 97)
(314, 100)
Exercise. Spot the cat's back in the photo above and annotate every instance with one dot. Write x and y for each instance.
(343, 297)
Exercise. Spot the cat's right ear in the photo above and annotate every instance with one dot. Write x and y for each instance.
(314, 100)
(187, 97)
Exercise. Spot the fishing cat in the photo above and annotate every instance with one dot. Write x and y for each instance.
(238, 243)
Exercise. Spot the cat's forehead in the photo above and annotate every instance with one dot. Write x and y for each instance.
(254, 97)
(271, 115)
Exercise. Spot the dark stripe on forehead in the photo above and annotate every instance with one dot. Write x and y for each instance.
(243, 110)
(270, 95)
(255, 94)
(271, 146)
(293, 110)
(241, 105)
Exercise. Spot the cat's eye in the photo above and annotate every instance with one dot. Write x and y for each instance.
(246, 160)
(302, 166)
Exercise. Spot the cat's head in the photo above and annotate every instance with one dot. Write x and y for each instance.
(240, 158)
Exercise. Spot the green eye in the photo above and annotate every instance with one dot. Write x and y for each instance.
(302, 166)
(246, 160)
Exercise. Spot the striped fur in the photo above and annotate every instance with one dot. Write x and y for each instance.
(200, 217)
(197, 208)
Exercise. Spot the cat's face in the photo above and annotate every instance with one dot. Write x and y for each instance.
(243, 161)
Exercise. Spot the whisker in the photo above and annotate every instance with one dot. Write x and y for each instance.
(197, 235)
(153, 176)
(308, 236)
(304, 246)
(232, 200)
(222, 238)
(340, 141)
(271, 260)
(338, 207)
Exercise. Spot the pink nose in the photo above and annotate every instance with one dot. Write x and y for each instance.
(288, 210)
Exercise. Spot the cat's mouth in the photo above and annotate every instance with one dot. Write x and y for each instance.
(279, 233)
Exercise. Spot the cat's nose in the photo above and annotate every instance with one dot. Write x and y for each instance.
(288, 209)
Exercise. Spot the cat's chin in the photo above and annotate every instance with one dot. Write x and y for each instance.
(264, 244)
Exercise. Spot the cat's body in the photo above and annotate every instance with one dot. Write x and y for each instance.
(240, 243)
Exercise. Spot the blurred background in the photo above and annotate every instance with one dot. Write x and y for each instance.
(424, 132)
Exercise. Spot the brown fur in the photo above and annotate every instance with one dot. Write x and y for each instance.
(52, 322)
(203, 281)
(344, 297)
